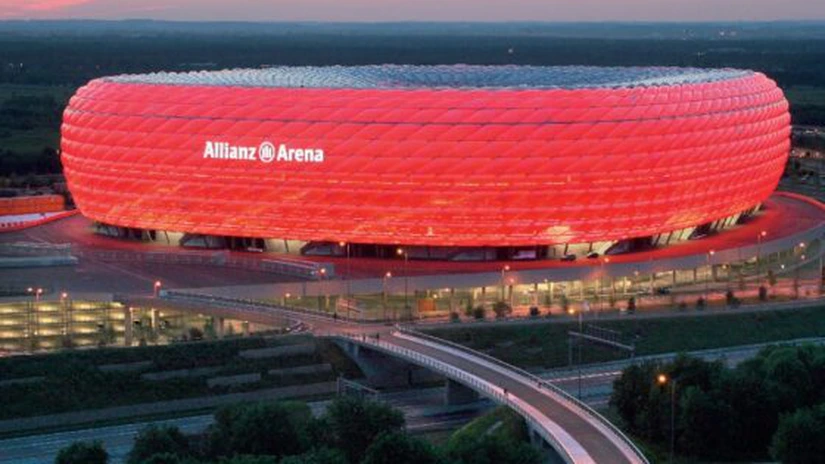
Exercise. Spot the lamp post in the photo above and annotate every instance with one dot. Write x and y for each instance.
(387, 276)
(759, 254)
(400, 252)
(602, 276)
(663, 380)
(708, 258)
(345, 245)
(156, 288)
(322, 297)
(504, 269)
(63, 297)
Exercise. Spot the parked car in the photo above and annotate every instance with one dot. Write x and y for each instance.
(593, 255)
(568, 257)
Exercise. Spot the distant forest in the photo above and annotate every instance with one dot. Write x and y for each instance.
(43, 62)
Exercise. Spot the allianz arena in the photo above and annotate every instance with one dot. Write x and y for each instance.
(436, 156)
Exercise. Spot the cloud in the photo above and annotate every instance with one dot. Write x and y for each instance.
(35, 8)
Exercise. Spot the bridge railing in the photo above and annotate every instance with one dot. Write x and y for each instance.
(569, 449)
(571, 400)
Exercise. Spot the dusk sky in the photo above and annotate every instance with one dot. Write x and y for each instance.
(417, 10)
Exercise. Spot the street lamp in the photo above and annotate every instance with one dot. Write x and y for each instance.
(321, 298)
(602, 276)
(504, 269)
(708, 258)
(662, 379)
(400, 252)
(387, 276)
(345, 245)
(759, 253)
(157, 287)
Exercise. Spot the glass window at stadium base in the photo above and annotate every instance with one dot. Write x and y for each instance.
(451, 162)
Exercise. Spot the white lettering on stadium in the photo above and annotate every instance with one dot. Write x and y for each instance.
(266, 152)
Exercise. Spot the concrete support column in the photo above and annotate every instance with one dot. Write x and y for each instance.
(219, 327)
(153, 314)
(673, 288)
(128, 326)
(456, 393)
(245, 328)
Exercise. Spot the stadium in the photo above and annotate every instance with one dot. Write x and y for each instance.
(451, 162)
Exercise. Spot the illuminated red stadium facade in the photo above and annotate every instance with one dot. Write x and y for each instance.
(439, 156)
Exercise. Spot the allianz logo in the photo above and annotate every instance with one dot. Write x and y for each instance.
(266, 152)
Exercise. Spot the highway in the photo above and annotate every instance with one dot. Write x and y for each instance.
(597, 379)
(423, 410)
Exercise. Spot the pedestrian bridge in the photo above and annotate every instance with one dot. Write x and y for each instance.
(577, 433)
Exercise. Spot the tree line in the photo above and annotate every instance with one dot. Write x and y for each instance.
(351, 431)
(772, 405)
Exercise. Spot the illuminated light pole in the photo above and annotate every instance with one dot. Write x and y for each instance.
(321, 298)
(759, 255)
(156, 288)
(602, 278)
(345, 245)
(663, 380)
(504, 269)
(401, 251)
(387, 276)
(708, 258)
(511, 281)
(63, 297)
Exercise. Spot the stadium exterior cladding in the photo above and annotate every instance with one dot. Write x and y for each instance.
(441, 156)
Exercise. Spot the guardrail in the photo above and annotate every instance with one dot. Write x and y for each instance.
(572, 401)
(569, 449)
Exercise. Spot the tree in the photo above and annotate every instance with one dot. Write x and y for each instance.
(273, 429)
(158, 439)
(82, 452)
(631, 305)
(355, 423)
(400, 448)
(492, 449)
(705, 424)
(630, 392)
(317, 456)
(798, 439)
(502, 309)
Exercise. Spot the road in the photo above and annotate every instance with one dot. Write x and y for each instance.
(423, 410)
(597, 380)
(599, 446)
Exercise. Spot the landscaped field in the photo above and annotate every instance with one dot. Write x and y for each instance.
(545, 345)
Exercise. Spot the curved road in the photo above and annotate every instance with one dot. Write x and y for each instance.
(601, 447)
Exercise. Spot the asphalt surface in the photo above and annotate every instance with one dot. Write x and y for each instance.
(600, 447)
(597, 380)
(423, 409)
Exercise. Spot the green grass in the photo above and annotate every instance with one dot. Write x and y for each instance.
(545, 345)
(511, 426)
(73, 382)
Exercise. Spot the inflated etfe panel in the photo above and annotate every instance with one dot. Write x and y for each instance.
(439, 155)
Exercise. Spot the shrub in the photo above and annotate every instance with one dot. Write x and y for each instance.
(478, 312)
(502, 309)
(534, 311)
(82, 453)
(763, 293)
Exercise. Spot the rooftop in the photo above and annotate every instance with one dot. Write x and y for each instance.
(442, 76)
